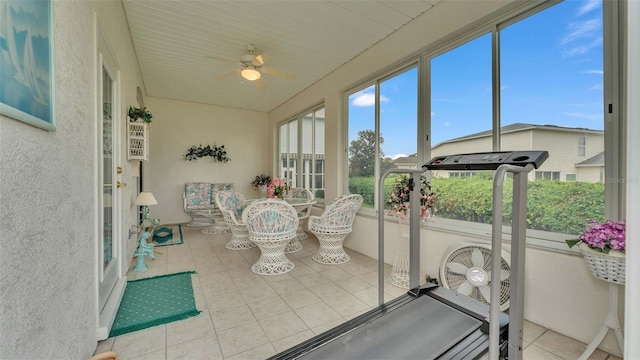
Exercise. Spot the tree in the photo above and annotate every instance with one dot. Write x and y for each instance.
(362, 154)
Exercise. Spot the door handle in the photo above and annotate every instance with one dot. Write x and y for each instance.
(121, 184)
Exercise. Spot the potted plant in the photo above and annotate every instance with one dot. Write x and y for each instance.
(602, 245)
(143, 114)
(260, 183)
(278, 188)
(398, 201)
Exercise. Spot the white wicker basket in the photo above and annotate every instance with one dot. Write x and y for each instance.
(608, 267)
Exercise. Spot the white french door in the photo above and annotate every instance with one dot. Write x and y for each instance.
(110, 245)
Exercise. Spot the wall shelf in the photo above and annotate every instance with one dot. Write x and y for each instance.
(137, 141)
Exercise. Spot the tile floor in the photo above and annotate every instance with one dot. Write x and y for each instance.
(247, 316)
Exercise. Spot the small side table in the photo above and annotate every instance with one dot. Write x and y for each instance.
(611, 322)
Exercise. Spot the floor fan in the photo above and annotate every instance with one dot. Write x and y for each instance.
(466, 268)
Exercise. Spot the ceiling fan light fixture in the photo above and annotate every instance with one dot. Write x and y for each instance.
(250, 74)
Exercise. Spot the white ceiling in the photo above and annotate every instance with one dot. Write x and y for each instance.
(175, 40)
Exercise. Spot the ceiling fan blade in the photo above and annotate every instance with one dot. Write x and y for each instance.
(260, 59)
(260, 84)
(457, 268)
(477, 259)
(465, 288)
(224, 76)
(486, 292)
(222, 59)
(283, 74)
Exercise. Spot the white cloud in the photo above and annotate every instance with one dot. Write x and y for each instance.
(580, 115)
(580, 30)
(596, 87)
(365, 99)
(596, 72)
(398, 156)
(589, 6)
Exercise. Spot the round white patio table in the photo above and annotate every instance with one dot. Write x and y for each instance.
(302, 207)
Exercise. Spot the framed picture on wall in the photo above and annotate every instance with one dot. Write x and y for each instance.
(26, 62)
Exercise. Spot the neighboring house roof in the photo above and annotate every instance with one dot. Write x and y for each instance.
(405, 160)
(517, 127)
(596, 160)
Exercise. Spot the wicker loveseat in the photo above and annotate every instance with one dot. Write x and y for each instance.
(199, 196)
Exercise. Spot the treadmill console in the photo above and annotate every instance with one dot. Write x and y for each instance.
(487, 161)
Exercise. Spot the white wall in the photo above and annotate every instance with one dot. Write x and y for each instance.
(48, 197)
(549, 275)
(178, 125)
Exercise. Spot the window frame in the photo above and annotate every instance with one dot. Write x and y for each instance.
(614, 122)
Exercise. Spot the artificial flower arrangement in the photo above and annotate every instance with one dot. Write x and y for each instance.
(604, 237)
(278, 188)
(136, 113)
(261, 180)
(400, 196)
(218, 153)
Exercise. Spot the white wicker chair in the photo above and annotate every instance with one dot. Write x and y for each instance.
(232, 203)
(332, 227)
(271, 224)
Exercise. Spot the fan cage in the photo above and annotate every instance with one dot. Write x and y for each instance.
(462, 254)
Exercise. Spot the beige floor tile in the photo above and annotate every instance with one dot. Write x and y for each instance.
(156, 355)
(298, 299)
(313, 279)
(255, 293)
(188, 329)
(285, 286)
(535, 353)
(328, 290)
(531, 332)
(268, 307)
(142, 342)
(352, 284)
(334, 274)
(223, 300)
(257, 353)
(346, 305)
(327, 326)
(205, 348)
(231, 317)
(241, 338)
(317, 314)
(564, 346)
(293, 340)
(283, 325)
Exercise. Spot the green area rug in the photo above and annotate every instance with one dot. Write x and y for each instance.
(168, 235)
(155, 301)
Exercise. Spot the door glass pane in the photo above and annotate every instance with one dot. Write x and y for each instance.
(307, 151)
(107, 168)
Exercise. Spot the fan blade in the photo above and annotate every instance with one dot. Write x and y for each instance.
(504, 274)
(465, 288)
(260, 59)
(260, 84)
(477, 259)
(282, 74)
(223, 59)
(486, 293)
(224, 76)
(457, 268)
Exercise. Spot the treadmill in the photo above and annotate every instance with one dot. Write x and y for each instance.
(432, 322)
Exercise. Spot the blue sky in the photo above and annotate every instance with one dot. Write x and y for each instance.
(551, 74)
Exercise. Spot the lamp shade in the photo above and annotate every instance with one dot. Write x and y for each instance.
(250, 74)
(145, 199)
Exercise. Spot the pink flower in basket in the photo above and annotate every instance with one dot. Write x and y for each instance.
(603, 237)
(278, 188)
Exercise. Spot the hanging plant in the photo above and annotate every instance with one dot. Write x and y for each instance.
(218, 153)
(136, 113)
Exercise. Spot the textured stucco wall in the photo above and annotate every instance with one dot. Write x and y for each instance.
(48, 305)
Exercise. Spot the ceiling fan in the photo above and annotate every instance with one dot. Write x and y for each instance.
(252, 67)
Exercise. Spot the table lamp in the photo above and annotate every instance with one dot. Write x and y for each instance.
(144, 200)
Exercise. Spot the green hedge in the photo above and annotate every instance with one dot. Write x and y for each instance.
(556, 206)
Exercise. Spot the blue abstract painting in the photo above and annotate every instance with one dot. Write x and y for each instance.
(26, 66)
